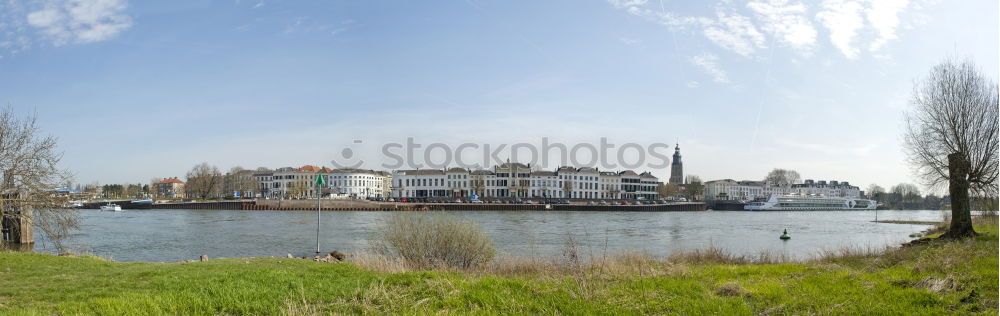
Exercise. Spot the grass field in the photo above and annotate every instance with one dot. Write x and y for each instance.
(938, 277)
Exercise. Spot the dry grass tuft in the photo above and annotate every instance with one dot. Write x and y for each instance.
(378, 262)
(938, 285)
(716, 255)
(731, 289)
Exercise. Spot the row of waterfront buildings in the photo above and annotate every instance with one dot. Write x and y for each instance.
(732, 190)
(507, 180)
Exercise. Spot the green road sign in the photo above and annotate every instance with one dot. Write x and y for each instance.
(320, 179)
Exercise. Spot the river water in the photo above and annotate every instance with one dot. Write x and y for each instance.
(175, 235)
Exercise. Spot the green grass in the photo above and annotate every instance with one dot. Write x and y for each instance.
(940, 277)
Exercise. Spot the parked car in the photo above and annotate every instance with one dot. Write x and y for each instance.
(602, 202)
(477, 201)
(636, 203)
(591, 203)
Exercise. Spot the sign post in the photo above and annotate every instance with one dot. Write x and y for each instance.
(320, 181)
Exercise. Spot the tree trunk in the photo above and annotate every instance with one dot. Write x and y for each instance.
(958, 187)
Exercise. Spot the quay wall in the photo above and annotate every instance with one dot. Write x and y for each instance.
(362, 205)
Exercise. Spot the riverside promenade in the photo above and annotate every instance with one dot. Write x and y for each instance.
(363, 205)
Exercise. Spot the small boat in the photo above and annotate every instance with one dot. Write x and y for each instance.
(111, 207)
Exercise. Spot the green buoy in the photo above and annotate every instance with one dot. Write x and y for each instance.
(784, 235)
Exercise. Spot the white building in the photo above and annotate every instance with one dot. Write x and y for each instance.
(419, 183)
(359, 183)
(728, 189)
(831, 188)
(516, 180)
(289, 182)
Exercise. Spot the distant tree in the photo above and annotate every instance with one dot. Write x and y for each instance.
(668, 190)
(29, 170)
(133, 190)
(876, 192)
(240, 180)
(782, 177)
(952, 136)
(203, 181)
(931, 202)
(905, 196)
(694, 188)
(154, 186)
(113, 191)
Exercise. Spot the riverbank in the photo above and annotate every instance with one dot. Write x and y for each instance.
(364, 205)
(938, 277)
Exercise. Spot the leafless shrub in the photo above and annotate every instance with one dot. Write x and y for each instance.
(428, 241)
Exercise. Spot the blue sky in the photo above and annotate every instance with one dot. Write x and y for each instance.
(136, 90)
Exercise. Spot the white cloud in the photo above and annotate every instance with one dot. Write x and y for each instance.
(630, 41)
(258, 5)
(736, 33)
(707, 62)
(843, 19)
(744, 32)
(693, 84)
(884, 17)
(80, 21)
(786, 21)
(627, 3)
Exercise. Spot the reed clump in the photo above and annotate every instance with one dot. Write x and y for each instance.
(429, 241)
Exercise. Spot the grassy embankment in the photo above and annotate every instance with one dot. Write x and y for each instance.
(938, 277)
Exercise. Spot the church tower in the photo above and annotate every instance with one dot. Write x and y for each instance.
(677, 168)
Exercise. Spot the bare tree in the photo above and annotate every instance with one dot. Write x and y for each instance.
(29, 172)
(203, 181)
(154, 186)
(952, 136)
(240, 180)
(875, 192)
(694, 188)
(782, 177)
(668, 190)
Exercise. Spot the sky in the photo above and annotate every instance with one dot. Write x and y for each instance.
(137, 90)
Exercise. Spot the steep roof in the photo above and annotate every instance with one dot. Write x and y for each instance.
(309, 168)
(566, 169)
(509, 165)
(171, 180)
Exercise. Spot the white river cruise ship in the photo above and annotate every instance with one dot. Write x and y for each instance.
(809, 203)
